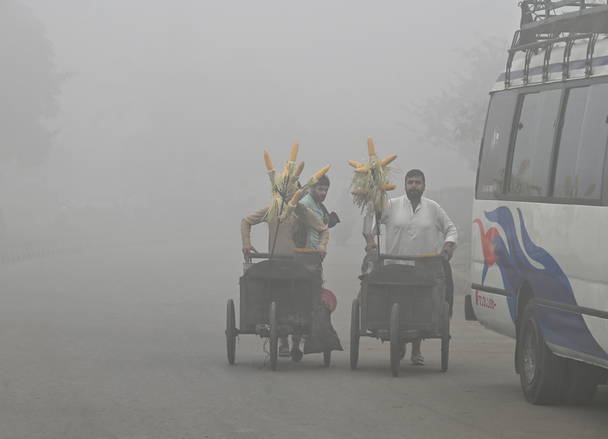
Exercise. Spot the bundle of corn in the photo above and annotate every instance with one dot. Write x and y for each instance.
(371, 181)
(286, 189)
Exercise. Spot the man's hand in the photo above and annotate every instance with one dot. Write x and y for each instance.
(248, 249)
(370, 243)
(448, 250)
(322, 252)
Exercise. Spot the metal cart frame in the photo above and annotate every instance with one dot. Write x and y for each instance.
(401, 300)
(277, 296)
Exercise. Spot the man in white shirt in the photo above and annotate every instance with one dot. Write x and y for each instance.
(415, 225)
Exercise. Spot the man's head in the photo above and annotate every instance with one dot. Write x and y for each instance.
(414, 184)
(318, 191)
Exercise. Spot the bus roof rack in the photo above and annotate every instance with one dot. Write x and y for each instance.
(540, 18)
(546, 22)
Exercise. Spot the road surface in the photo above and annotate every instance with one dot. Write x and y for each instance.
(129, 344)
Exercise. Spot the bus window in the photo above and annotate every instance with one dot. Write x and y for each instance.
(580, 160)
(534, 143)
(495, 145)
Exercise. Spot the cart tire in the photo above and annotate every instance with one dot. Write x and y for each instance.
(395, 342)
(326, 358)
(445, 338)
(354, 334)
(274, 336)
(231, 331)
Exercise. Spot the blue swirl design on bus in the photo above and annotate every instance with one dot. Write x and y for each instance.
(561, 327)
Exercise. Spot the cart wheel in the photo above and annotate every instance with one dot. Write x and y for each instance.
(231, 331)
(326, 358)
(354, 335)
(445, 338)
(395, 342)
(274, 336)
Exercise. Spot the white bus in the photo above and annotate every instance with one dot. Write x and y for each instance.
(540, 214)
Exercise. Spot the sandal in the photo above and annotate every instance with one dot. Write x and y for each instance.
(296, 354)
(417, 360)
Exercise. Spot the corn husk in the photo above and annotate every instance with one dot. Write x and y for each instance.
(299, 169)
(285, 187)
(371, 181)
(272, 176)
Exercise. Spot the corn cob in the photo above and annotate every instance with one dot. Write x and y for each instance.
(359, 192)
(268, 161)
(295, 199)
(321, 172)
(355, 164)
(290, 207)
(294, 152)
(389, 187)
(371, 149)
(362, 170)
(388, 160)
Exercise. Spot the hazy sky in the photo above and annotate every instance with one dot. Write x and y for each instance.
(179, 98)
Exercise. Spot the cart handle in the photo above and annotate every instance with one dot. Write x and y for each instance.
(307, 250)
(253, 255)
(384, 256)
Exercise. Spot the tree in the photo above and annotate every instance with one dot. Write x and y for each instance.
(454, 119)
(29, 85)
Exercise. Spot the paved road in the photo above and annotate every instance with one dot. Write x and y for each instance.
(129, 344)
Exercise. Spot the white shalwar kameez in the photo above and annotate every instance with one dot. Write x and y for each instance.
(413, 232)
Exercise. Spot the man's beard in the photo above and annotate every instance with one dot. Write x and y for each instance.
(414, 194)
(318, 198)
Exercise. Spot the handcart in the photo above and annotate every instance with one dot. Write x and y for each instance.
(401, 300)
(277, 298)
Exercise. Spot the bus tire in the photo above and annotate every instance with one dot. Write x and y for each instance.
(541, 372)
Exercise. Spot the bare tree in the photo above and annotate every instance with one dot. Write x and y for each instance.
(28, 86)
(454, 118)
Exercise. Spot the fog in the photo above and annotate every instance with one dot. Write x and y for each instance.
(163, 109)
(132, 135)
